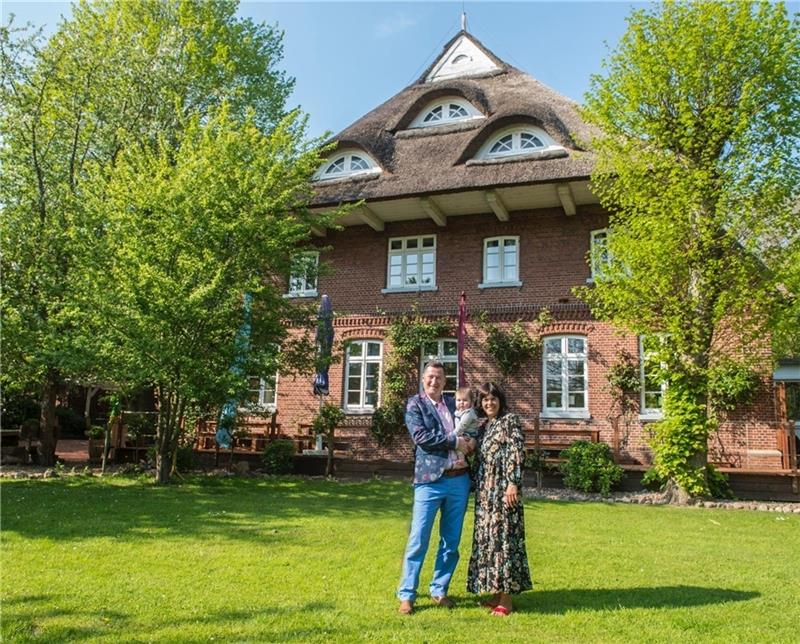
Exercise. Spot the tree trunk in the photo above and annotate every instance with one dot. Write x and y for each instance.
(47, 420)
(329, 466)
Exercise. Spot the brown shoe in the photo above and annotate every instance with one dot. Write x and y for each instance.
(406, 607)
(444, 601)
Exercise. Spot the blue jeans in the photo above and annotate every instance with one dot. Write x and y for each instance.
(450, 495)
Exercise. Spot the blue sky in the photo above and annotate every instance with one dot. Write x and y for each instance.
(348, 57)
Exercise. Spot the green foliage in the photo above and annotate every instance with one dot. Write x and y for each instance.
(70, 422)
(680, 438)
(653, 480)
(96, 432)
(623, 375)
(407, 334)
(186, 458)
(698, 162)
(590, 467)
(388, 421)
(730, 384)
(278, 457)
(328, 418)
(511, 347)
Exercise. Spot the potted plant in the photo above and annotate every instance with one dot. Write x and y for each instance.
(96, 434)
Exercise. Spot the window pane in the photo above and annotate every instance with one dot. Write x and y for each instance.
(354, 370)
(509, 244)
(450, 347)
(576, 383)
(396, 281)
(576, 367)
(411, 243)
(553, 400)
(492, 274)
(373, 349)
(370, 398)
(396, 244)
(553, 384)
(553, 369)
(576, 401)
(503, 145)
(357, 163)
(353, 398)
(494, 243)
(576, 345)
(354, 349)
(336, 167)
(553, 345)
(457, 111)
(430, 348)
(428, 242)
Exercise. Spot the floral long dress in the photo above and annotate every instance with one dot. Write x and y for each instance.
(499, 562)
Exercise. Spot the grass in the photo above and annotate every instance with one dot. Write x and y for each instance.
(286, 560)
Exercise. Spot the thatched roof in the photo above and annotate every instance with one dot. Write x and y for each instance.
(440, 159)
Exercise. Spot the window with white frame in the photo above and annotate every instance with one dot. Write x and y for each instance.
(412, 263)
(566, 390)
(652, 387)
(518, 141)
(444, 111)
(444, 350)
(501, 261)
(362, 375)
(599, 257)
(303, 277)
(262, 393)
(346, 164)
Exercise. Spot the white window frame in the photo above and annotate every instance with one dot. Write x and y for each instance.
(267, 395)
(440, 356)
(503, 281)
(648, 413)
(548, 144)
(403, 252)
(445, 103)
(362, 407)
(347, 156)
(565, 411)
(301, 285)
(598, 261)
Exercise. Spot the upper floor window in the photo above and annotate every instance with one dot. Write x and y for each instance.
(303, 278)
(501, 262)
(566, 389)
(599, 257)
(346, 164)
(411, 263)
(652, 387)
(362, 375)
(262, 394)
(445, 351)
(517, 141)
(446, 110)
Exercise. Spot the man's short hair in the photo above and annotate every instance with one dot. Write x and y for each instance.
(433, 364)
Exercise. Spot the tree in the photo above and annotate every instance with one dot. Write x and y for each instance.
(194, 228)
(116, 73)
(698, 117)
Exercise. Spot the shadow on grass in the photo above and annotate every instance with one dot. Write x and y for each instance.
(235, 508)
(601, 599)
(32, 625)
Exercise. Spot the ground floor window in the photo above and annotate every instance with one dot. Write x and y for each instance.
(363, 360)
(565, 377)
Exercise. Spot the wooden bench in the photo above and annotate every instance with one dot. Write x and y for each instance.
(549, 441)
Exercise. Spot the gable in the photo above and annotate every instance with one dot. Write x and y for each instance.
(462, 58)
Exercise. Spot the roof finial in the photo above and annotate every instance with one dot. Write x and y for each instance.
(463, 20)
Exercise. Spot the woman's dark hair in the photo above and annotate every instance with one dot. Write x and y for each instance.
(491, 389)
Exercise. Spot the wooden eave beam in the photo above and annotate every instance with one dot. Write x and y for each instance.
(566, 198)
(433, 211)
(496, 204)
(369, 217)
(318, 231)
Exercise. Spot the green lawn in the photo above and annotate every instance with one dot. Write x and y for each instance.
(253, 560)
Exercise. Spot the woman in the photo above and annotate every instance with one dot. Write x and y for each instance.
(499, 563)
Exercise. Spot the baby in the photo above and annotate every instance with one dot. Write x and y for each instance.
(466, 420)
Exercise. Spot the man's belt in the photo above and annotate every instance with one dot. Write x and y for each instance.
(458, 472)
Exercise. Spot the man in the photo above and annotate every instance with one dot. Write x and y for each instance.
(439, 486)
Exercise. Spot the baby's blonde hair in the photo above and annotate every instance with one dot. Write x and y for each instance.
(466, 392)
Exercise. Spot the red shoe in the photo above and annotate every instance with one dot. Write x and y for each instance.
(501, 611)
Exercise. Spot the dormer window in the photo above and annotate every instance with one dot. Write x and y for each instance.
(444, 111)
(347, 164)
(519, 141)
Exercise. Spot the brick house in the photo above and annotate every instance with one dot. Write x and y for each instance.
(475, 178)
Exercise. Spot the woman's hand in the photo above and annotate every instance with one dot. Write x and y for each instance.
(511, 497)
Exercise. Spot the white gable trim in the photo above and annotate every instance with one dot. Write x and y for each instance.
(463, 58)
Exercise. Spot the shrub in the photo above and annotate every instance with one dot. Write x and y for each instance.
(186, 458)
(590, 467)
(279, 457)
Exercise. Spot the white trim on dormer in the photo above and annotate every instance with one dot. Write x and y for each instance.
(463, 58)
(347, 163)
(444, 111)
(518, 141)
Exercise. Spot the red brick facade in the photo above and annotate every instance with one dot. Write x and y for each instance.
(552, 249)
